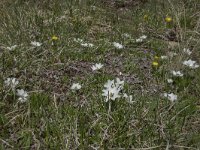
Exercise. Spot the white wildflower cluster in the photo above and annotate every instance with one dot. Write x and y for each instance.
(177, 73)
(141, 39)
(118, 45)
(112, 90)
(82, 43)
(171, 96)
(13, 82)
(189, 63)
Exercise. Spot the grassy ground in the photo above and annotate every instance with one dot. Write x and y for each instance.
(57, 117)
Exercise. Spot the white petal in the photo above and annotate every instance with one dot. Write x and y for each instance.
(76, 86)
(125, 95)
(117, 45)
(139, 40)
(143, 37)
(34, 43)
(187, 51)
(169, 80)
(87, 44)
(163, 57)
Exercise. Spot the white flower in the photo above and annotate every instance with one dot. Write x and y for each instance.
(143, 37)
(87, 44)
(12, 82)
(76, 86)
(126, 35)
(169, 81)
(93, 7)
(111, 93)
(23, 95)
(171, 96)
(37, 44)
(118, 45)
(140, 39)
(129, 98)
(163, 57)
(187, 51)
(112, 89)
(97, 66)
(78, 40)
(12, 47)
(190, 63)
(177, 73)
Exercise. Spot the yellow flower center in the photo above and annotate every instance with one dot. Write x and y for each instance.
(145, 17)
(54, 38)
(155, 63)
(168, 19)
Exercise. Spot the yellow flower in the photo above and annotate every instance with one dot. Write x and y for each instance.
(145, 17)
(156, 57)
(155, 63)
(168, 19)
(54, 38)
